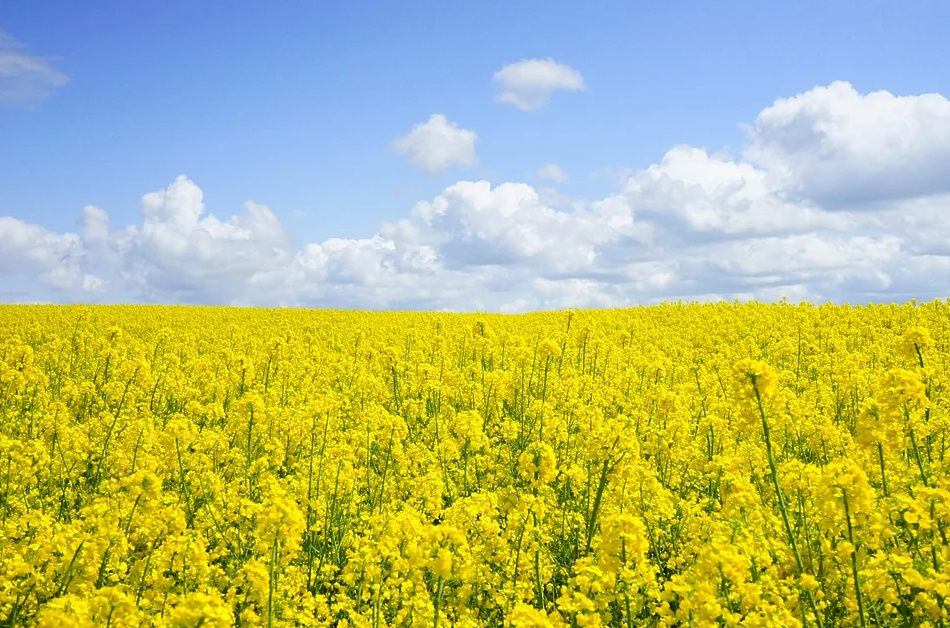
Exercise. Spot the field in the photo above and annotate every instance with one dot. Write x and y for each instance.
(676, 465)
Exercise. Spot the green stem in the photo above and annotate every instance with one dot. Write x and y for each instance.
(275, 553)
(438, 602)
(250, 437)
(880, 459)
(781, 499)
(854, 559)
(917, 457)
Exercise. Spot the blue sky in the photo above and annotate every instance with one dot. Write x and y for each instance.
(298, 106)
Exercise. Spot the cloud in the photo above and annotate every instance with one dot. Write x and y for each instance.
(693, 225)
(553, 173)
(437, 144)
(690, 191)
(183, 252)
(478, 225)
(25, 79)
(837, 147)
(804, 253)
(55, 258)
(95, 224)
(529, 84)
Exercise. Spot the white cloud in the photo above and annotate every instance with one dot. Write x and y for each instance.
(692, 191)
(180, 251)
(840, 148)
(805, 253)
(55, 258)
(95, 224)
(91, 283)
(694, 225)
(482, 226)
(437, 144)
(529, 84)
(553, 173)
(24, 78)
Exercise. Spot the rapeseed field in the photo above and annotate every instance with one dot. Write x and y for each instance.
(675, 465)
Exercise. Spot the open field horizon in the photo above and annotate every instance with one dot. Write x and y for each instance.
(422, 314)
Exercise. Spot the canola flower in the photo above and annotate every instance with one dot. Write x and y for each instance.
(676, 465)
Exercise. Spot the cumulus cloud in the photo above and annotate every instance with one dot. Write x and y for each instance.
(95, 224)
(180, 250)
(693, 192)
(843, 149)
(25, 78)
(529, 84)
(55, 258)
(508, 225)
(435, 145)
(553, 173)
(694, 225)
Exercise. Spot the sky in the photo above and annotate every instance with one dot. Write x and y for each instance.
(488, 156)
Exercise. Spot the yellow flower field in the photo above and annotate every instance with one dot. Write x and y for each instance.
(676, 465)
